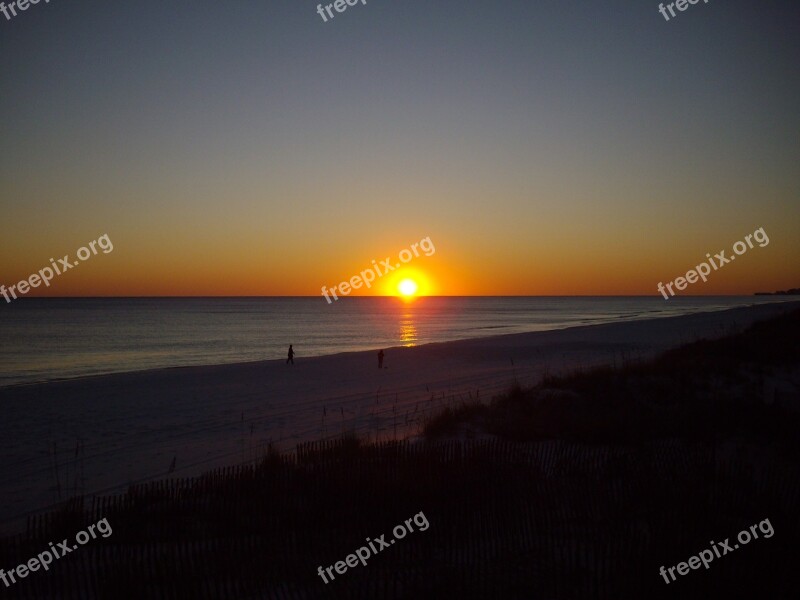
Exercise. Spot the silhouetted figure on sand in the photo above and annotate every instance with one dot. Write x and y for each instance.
(380, 359)
(291, 355)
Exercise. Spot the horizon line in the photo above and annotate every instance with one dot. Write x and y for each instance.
(401, 297)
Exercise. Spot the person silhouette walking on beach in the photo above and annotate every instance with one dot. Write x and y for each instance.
(380, 359)
(291, 355)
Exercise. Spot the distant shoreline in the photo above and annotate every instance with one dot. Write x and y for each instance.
(363, 297)
(791, 292)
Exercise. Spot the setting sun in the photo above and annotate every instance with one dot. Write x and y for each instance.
(407, 287)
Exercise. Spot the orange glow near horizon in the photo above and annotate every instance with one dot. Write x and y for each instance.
(161, 263)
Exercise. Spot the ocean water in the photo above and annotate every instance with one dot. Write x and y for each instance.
(46, 339)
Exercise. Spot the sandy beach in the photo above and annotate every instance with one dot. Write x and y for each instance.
(100, 434)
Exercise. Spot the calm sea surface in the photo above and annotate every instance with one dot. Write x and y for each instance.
(44, 339)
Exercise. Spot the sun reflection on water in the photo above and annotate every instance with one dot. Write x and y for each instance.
(408, 327)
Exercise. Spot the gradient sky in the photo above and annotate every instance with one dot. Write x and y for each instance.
(244, 147)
